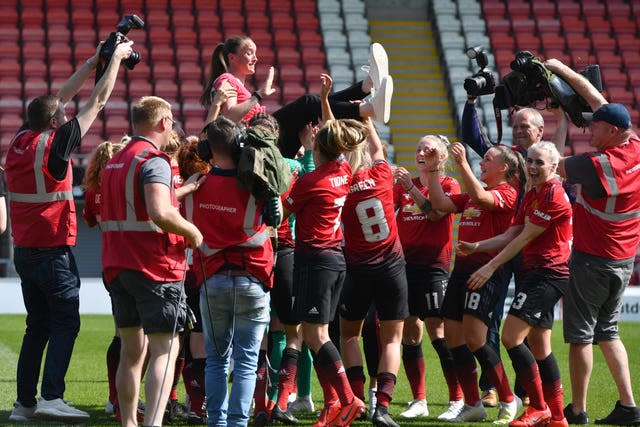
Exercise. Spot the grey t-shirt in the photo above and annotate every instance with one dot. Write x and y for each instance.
(580, 170)
(155, 170)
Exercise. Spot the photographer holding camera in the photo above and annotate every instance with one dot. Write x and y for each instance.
(606, 237)
(43, 222)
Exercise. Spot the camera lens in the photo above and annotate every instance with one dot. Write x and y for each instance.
(132, 60)
(474, 84)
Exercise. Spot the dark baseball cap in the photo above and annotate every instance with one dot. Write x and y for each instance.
(614, 114)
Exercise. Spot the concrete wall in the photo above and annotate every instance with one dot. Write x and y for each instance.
(397, 9)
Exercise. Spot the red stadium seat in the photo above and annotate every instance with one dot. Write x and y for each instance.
(292, 91)
(544, 9)
(278, 6)
(593, 8)
(10, 86)
(282, 21)
(573, 23)
(256, 5)
(528, 42)
(310, 39)
(569, 8)
(307, 22)
(257, 20)
(167, 89)
(139, 88)
(60, 68)
(493, 8)
(288, 56)
(292, 74)
(313, 56)
(305, 6)
(518, 9)
(548, 26)
(36, 87)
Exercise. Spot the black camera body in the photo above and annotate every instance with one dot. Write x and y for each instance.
(483, 82)
(126, 24)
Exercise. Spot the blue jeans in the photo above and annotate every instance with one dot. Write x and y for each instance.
(235, 314)
(51, 293)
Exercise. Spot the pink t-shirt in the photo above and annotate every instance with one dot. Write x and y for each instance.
(243, 94)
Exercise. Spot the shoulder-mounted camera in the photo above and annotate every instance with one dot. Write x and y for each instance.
(530, 81)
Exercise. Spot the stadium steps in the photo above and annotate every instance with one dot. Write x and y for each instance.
(420, 103)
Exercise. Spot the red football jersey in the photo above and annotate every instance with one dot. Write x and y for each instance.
(551, 209)
(91, 210)
(285, 234)
(425, 242)
(370, 231)
(317, 199)
(478, 223)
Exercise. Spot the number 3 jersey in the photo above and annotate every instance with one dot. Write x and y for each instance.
(368, 218)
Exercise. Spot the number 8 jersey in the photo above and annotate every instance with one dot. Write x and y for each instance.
(370, 231)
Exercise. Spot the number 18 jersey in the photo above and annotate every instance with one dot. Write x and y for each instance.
(370, 231)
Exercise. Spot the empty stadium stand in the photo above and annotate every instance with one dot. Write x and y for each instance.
(43, 41)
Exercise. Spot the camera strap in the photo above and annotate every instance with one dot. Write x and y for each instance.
(497, 112)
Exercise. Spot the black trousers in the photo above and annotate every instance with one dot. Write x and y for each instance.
(294, 116)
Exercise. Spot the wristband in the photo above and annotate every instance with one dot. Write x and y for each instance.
(257, 95)
(410, 188)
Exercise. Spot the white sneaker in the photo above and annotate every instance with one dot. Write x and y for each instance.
(292, 398)
(508, 411)
(58, 409)
(21, 413)
(452, 412)
(373, 401)
(472, 413)
(416, 408)
(109, 408)
(378, 67)
(301, 404)
(381, 100)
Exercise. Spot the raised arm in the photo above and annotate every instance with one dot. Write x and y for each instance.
(71, 87)
(438, 199)
(474, 188)
(562, 126)
(103, 88)
(472, 134)
(325, 89)
(579, 83)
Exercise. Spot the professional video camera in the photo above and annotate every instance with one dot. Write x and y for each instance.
(127, 23)
(483, 82)
(531, 81)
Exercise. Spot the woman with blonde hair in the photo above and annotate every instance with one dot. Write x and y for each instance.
(486, 212)
(426, 236)
(317, 199)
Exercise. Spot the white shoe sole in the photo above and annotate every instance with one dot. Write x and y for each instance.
(378, 65)
(381, 101)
